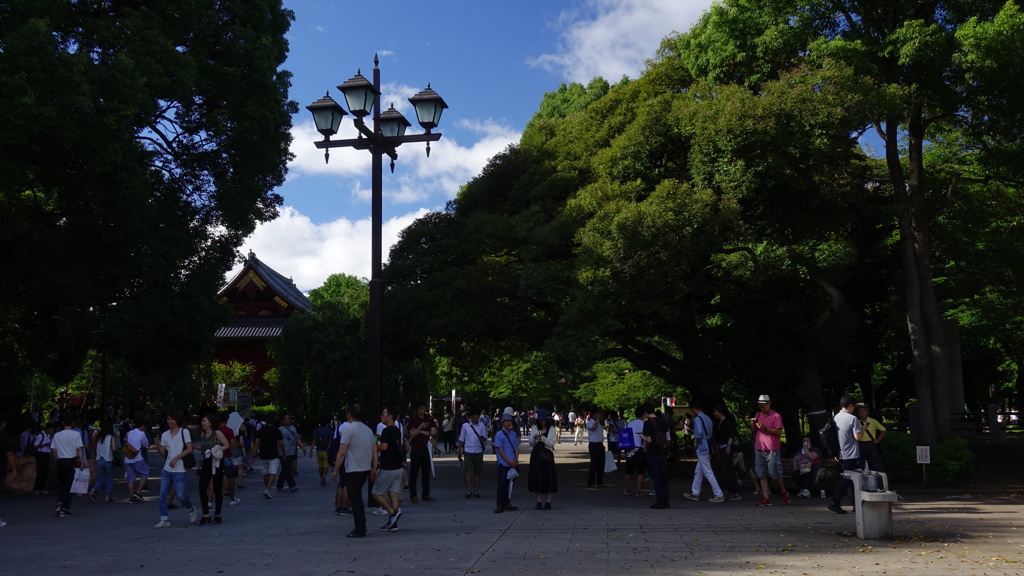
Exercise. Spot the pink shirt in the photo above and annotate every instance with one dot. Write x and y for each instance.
(764, 440)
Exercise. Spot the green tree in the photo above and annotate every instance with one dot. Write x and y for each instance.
(142, 145)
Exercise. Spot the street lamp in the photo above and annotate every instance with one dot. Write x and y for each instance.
(386, 134)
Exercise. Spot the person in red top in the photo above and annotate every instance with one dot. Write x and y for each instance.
(767, 429)
(228, 461)
(422, 428)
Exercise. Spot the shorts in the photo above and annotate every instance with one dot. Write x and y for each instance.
(236, 460)
(271, 466)
(388, 481)
(637, 463)
(136, 470)
(321, 459)
(767, 463)
(473, 463)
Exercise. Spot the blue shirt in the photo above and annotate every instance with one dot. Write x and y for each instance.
(505, 444)
(702, 429)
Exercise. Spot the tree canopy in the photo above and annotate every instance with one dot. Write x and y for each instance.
(142, 143)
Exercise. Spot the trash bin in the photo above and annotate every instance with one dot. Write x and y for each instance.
(873, 501)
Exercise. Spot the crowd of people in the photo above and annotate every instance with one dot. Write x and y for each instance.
(398, 457)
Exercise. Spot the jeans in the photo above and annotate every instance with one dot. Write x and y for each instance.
(657, 469)
(355, 481)
(503, 484)
(178, 480)
(702, 471)
(595, 475)
(419, 458)
(104, 476)
(845, 484)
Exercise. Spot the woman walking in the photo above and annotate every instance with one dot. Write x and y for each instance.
(104, 462)
(213, 444)
(175, 444)
(543, 481)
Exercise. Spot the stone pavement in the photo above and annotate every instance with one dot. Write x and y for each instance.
(588, 531)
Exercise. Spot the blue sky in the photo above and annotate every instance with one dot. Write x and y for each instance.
(492, 61)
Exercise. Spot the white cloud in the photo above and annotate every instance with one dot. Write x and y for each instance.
(309, 253)
(617, 36)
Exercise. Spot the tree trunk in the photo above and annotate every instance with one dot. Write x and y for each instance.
(809, 390)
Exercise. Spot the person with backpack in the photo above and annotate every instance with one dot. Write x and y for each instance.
(850, 433)
(321, 442)
(631, 445)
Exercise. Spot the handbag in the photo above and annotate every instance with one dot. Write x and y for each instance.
(609, 463)
(129, 451)
(189, 460)
(80, 485)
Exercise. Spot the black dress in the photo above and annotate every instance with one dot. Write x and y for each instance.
(543, 478)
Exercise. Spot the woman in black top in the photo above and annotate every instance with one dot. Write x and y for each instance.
(726, 444)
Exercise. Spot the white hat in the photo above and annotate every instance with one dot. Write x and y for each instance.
(764, 399)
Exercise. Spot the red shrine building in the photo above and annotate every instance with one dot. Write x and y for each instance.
(262, 300)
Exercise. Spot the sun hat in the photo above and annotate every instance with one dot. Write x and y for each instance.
(764, 399)
(507, 418)
(542, 414)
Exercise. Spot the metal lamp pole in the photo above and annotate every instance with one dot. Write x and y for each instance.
(386, 134)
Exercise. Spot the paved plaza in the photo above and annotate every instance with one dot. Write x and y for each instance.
(588, 532)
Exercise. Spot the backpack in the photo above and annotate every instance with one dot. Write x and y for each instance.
(829, 434)
(626, 440)
(322, 439)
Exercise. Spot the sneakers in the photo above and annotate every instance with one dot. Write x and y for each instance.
(162, 524)
(294, 490)
(716, 499)
(323, 481)
(626, 492)
(785, 498)
(235, 501)
(836, 508)
(428, 498)
(192, 513)
(690, 496)
(266, 494)
(135, 499)
(468, 494)
(735, 497)
(805, 493)
(476, 494)
(392, 523)
(380, 512)
(413, 499)
(657, 506)
(764, 502)
(2, 523)
(387, 525)
(64, 514)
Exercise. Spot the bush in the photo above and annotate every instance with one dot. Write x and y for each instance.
(951, 461)
(899, 454)
(264, 413)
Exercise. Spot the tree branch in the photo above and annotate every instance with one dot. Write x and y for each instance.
(957, 180)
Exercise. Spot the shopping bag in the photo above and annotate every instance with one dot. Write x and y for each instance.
(609, 463)
(81, 483)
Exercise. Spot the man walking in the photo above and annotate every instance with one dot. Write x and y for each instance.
(387, 487)
(357, 454)
(292, 443)
(321, 441)
(422, 428)
(269, 447)
(472, 436)
(702, 437)
(767, 430)
(135, 469)
(70, 452)
(850, 434)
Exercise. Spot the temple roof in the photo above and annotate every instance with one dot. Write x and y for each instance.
(278, 284)
(254, 327)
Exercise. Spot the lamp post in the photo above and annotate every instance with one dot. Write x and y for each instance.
(385, 135)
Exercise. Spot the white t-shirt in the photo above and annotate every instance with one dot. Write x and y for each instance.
(637, 427)
(137, 438)
(595, 432)
(470, 435)
(104, 450)
(175, 444)
(361, 444)
(66, 443)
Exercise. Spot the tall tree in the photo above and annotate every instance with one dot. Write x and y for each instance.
(142, 143)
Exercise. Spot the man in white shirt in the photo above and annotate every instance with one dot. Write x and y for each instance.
(136, 469)
(70, 452)
(357, 452)
(471, 450)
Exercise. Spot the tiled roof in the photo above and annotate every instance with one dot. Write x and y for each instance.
(283, 286)
(251, 328)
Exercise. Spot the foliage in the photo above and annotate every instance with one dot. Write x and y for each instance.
(320, 356)
(617, 385)
(899, 454)
(142, 144)
(952, 460)
(234, 374)
(266, 413)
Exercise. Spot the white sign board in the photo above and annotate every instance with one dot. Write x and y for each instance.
(924, 455)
